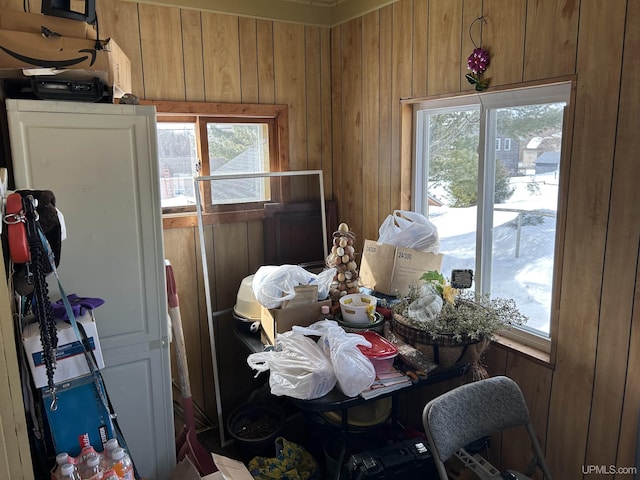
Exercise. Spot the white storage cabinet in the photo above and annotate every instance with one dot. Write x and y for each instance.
(100, 160)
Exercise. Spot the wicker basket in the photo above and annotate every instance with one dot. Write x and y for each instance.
(446, 351)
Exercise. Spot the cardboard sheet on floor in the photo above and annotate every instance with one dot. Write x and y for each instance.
(229, 469)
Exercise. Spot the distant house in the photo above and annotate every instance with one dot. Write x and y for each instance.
(547, 162)
(536, 148)
(508, 153)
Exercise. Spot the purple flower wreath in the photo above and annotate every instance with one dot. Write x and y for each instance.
(478, 62)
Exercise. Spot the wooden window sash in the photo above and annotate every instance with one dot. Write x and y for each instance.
(277, 121)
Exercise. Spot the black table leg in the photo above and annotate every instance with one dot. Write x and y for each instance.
(344, 440)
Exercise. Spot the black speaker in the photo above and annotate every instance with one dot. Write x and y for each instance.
(62, 8)
(406, 459)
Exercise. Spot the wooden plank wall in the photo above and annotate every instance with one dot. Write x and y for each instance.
(343, 86)
(585, 408)
(180, 54)
(14, 435)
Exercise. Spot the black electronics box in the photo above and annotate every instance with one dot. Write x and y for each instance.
(406, 459)
(52, 88)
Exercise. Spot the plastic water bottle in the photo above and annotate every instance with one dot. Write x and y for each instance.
(110, 475)
(85, 453)
(121, 463)
(91, 468)
(109, 447)
(83, 456)
(62, 458)
(68, 472)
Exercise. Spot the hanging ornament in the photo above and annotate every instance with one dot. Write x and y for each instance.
(478, 61)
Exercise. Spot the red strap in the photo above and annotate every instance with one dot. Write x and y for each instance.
(16, 230)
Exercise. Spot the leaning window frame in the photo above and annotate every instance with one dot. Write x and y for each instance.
(275, 115)
(560, 91)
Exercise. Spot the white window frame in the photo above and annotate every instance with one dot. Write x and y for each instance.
(488, 102)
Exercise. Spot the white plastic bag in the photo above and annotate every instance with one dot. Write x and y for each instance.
(425, 308)
(411, 230)
(272, 285)
(353, 369)
(298, 367)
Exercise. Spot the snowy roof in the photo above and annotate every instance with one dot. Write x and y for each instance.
(247, 162)
(226, 191)
(549, 158)
(534, 143)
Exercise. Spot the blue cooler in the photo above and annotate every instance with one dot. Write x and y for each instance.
(80, 417)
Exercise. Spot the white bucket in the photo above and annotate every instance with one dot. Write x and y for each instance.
(246, 304)
(358, 308)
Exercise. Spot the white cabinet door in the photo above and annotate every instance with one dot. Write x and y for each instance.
(101, 163)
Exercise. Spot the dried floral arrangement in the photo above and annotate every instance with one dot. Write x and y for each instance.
(458, 314)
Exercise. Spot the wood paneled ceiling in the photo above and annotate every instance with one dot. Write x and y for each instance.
(325, 13)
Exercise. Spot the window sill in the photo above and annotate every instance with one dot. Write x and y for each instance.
(179, 220)
(190, 219)
(519, 348)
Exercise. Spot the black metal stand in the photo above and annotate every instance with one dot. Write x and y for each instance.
(335, 400)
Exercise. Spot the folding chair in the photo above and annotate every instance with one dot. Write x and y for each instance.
(474, 411)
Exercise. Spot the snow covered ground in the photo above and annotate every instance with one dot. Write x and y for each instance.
(526, 278)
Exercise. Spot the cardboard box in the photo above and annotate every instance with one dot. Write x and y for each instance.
(71, 362)
(19, 21)
(230, 469)
(33, 51)
(389, 269)
(280, 320)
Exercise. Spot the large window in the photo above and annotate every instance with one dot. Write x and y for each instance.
(487, 174)
(220, 139)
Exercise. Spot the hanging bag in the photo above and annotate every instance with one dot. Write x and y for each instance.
(411, 230)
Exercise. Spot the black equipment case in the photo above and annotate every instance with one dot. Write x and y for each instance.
(400, 461)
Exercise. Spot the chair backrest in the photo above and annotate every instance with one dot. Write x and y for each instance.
(473, 411)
